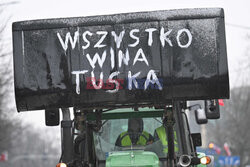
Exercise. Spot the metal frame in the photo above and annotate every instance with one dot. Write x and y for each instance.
(126, 115)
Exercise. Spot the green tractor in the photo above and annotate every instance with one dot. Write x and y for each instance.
(104, 138)
(127, 80)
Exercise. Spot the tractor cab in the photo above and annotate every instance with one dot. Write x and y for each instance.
(146, 136)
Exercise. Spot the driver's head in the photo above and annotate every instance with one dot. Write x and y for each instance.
(135, 125)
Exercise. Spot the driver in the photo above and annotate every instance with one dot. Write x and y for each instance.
(135, 134)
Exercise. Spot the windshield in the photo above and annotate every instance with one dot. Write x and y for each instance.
(116, 135)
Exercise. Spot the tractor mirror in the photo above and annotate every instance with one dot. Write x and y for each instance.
(212, 109)
(196, 137)
(200, 116)
(52, 117)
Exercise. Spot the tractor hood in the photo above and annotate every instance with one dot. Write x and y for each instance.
(132, 158)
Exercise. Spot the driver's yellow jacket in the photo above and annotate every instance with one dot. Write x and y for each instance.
(142, 141)
(161, 132)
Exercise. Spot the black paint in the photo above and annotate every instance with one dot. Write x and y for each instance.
(43, 69)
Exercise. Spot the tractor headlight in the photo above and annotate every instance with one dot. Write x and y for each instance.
(61, 165)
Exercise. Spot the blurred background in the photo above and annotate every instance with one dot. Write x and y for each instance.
(25, 141)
